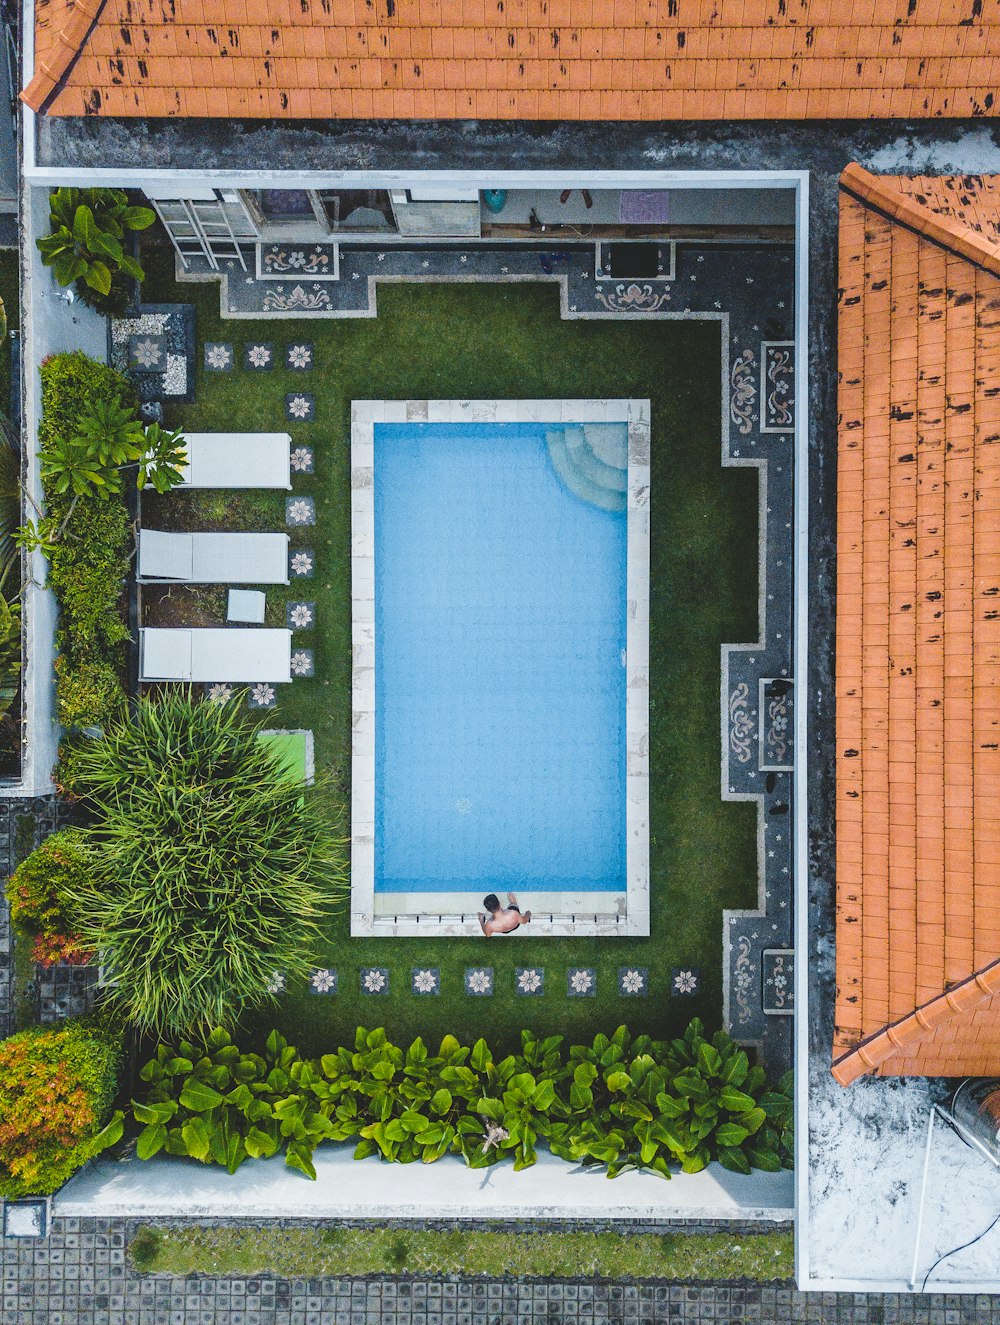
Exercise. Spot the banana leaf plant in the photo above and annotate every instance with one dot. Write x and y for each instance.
(85, 243)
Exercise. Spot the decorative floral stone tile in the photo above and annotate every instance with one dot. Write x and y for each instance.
(299, 357)
(300, 511)
(374, 979)
(633, 981)
(262, 695)
(219, 692)
(147, 354)
(300, 407)
(276, 984)
(685, 981)
(258, 356)
(300, 616)
(302, 564)
(303, 663)
(302, 460)
(425, 980)
(219, 357)
(529, 981)
(323, 981)
(479, 981)
(581, 982)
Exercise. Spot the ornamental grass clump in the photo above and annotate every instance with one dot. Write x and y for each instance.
(213, 865)
(57, 1086)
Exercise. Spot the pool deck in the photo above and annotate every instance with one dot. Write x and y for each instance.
(557, 915)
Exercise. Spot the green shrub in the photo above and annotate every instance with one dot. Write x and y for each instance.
(87, 572)
(72, 382)
(618, 1103)
(89, 559)
(84, 246)
(213, 866)
(37, 892)
(57, 1085)
(88, 694)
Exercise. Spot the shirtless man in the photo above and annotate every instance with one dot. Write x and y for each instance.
(502, 919)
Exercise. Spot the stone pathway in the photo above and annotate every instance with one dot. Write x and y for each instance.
(80, 1276)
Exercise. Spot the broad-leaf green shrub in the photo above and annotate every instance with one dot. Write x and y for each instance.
(212, 865)
(89, 559)
(57, 1086)
(86, 244)
(618, 1103)
(39, 906)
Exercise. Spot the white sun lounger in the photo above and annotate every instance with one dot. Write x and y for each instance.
(237, 460)
(215, 655)
(213, 558)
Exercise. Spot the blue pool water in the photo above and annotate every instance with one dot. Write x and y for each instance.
(500, 600)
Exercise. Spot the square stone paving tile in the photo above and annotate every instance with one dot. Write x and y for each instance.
(425, 980)
(299, 356)
(300, 406)
(529, 981)
(303, 663)
(323, 980)
(302, 563)
(375, 980)
(581, 982)
(219, 357)
(303, 460)
(258, 356)
(300, 615)
(633, 981)
(479, 981)
(300, 511)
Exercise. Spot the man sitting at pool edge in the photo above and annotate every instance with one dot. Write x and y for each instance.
(502, 919)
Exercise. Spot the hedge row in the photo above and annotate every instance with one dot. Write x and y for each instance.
(89, 564)
(618, 1103)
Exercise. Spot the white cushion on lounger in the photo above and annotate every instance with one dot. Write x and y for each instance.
(203, 558)
(238, 460)
(215, 655)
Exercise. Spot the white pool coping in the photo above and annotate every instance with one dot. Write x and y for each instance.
(605, 914)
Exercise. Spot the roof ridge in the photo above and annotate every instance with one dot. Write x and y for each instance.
(963, 997)
(67, 45)
(950, 232)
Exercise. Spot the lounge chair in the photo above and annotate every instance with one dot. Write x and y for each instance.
(237, 460)
(212, 558)
(215, 655)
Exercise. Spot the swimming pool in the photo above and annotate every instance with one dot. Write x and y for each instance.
(499, 673)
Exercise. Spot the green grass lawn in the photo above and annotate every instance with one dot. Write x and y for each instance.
(370, 1250)
(486, 341)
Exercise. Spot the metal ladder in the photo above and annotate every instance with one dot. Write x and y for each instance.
(199, 228)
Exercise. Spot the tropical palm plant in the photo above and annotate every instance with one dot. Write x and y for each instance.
(163, 459)
(214, 867)
(85, 244)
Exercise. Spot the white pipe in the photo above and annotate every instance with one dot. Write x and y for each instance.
(923, 1195)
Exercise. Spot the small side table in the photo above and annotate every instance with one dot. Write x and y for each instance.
(246, 605)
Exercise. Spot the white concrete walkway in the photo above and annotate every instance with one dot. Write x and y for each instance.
(369, 1189)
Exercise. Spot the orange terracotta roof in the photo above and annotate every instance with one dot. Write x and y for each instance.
(520, 59)
(918, 628)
